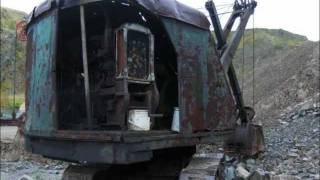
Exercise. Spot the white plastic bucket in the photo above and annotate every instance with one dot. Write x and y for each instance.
(139, 120)
(175, 126)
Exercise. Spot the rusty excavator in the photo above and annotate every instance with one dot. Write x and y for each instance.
(127, 89)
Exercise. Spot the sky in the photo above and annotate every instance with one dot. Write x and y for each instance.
(296, 16)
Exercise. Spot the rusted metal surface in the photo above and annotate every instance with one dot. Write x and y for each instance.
(205, 99)
(120, 57)
(247, 140)
(9, 122)
(21, 31)
(211, 8)
(135, 71)
(130, 149)
(135, 53)
(190, 76)
(40, 103)
(229, 53)
(124, 136)
(166, 8)
(176, 10)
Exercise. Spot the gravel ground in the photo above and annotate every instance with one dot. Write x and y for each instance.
(34, 170)
(293, 145)
(16, 163)
(292, 148)
(8, 133)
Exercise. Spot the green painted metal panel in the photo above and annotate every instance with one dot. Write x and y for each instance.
(40, 76)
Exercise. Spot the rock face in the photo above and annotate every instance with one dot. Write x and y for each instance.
(295, 79)
(286, 71)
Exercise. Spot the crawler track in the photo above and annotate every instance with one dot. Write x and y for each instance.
(166, 165)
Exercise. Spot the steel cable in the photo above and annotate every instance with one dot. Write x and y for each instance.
(253, 62)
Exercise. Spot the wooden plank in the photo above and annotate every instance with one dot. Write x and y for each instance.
(203, 166)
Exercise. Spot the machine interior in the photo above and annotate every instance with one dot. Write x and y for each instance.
(109, 107)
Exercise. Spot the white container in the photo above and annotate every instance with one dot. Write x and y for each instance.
(139, 120)
(175, 126)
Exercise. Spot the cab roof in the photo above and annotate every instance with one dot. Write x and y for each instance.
(165, 8)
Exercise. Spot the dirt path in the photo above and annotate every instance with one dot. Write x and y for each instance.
(8, 133)
(34, 170)
(17, 163)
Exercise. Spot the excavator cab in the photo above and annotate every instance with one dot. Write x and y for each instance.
(127, 81)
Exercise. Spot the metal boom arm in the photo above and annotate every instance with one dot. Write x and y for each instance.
(244, 11)
(229, 53)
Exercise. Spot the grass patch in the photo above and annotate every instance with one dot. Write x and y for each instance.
(7, 101)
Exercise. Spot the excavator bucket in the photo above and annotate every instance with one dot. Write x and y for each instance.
(246, 140)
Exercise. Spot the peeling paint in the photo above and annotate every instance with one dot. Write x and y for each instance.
(205, 99)
(40, 86)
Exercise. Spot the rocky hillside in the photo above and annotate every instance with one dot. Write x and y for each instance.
(286, 71)
(9, 18)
